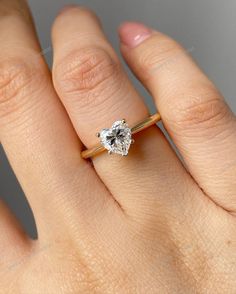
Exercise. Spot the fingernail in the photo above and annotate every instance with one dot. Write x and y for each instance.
(67, 7)
(133, 34)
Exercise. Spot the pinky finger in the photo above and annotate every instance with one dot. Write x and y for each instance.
(195, 114)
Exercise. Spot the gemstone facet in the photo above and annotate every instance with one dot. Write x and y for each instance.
(117, 139)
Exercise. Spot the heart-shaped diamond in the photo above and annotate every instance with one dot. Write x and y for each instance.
(117, 139)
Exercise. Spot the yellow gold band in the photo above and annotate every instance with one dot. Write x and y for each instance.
(151, 120)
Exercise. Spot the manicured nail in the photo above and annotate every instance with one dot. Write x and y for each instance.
(133, 33)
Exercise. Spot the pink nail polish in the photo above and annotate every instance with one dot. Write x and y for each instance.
(132, 33)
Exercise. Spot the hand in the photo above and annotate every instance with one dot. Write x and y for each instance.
(145, 223)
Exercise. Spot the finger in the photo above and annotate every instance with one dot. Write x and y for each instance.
(96, 92)
(193, 111)
(35, 130)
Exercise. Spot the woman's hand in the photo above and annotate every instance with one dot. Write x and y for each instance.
(140, 224)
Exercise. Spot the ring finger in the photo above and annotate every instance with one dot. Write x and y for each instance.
(96, 92)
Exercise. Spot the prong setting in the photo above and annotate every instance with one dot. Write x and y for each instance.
(117, 139)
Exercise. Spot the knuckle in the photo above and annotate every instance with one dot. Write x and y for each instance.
(89, 73)
(161, 52)
(204, 111)
(18, 80)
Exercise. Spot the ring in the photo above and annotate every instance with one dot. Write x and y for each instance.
(118, 138)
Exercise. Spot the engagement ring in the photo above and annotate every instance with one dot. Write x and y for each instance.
(118, 138)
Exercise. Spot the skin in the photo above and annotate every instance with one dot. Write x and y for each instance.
(146, 223)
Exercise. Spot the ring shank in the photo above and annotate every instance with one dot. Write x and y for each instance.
(151, 120)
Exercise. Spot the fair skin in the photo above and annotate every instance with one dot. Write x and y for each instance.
(146, 223)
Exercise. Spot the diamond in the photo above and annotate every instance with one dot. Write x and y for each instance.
(117, 139)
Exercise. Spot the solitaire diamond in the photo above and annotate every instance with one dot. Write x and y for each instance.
(117, 139)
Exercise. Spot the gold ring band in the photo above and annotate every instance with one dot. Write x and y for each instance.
(151, 120)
